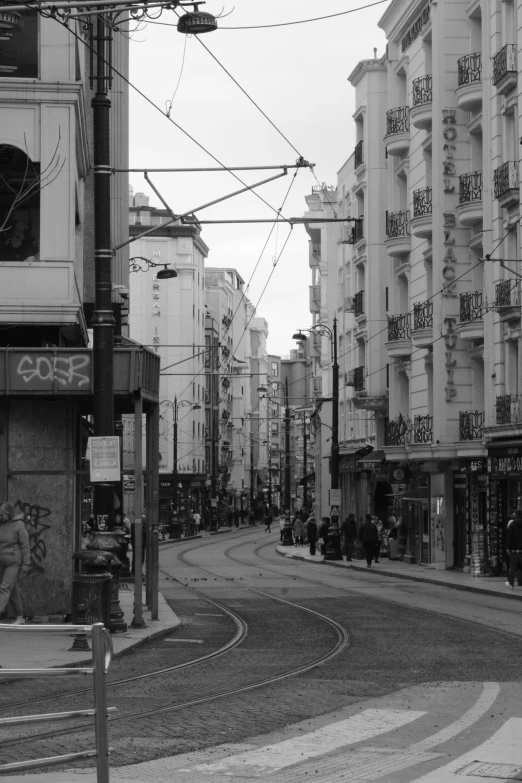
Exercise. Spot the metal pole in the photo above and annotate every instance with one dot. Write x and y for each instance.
(100, 702)
(252, 510)
(175, 463)
(305, 474)
(287, 448)
(154, 544)
(103, 317)
(269, 454)
(214, 518)
(333, 547)
(137, 621)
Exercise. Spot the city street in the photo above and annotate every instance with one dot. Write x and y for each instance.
(422, 682)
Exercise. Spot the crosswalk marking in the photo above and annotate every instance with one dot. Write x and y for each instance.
(272, 758)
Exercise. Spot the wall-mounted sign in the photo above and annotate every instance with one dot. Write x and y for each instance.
(335, 497)
(105, 458)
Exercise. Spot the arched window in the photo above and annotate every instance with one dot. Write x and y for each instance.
(19, 205)
(19, 43)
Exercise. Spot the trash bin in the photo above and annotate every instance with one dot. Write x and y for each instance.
(394, 549)
(94, 591)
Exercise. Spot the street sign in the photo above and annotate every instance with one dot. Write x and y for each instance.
(335, 497)
(105, 458)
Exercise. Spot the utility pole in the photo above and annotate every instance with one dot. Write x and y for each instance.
(175, 463)
(287, 449)
(305, 474)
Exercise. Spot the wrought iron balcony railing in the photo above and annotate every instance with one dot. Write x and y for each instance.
(399, 327)
(504, 62)
(422, 202)
(507, 294)
(398, 223)
(423, 315)
(398, 120)
(470, 187)
(358, 381)
(471, 424)
(422, 90)
(358, 304)
(358, 154)
(358, 232)
(470, 69)
(471, 306)
(508, 409)
(423, 429)
(505, 178)
(399, 431)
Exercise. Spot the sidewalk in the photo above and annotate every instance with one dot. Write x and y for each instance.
(456, 580)
(41, 650)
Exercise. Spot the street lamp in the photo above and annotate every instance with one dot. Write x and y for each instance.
(175, 405)
(333, 546)
(164, 274)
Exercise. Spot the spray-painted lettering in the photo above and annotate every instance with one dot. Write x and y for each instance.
(65, 370)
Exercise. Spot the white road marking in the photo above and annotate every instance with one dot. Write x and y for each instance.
(504, 747)
(272, 758)
(207, 614)
(186, 641)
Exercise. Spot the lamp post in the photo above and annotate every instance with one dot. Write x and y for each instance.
(175, 405)
(333, 546)
(304, 481)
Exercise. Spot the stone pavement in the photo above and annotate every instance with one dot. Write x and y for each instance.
(417, 573)
(41, 650)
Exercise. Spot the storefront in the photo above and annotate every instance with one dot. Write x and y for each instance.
(470, 500)
(504, 497)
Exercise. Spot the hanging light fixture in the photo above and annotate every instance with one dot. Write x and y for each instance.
(9, 23)
(197, 22)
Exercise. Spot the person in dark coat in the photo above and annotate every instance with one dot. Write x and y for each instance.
(514, 549)
(349, 534)
(323, 533)
(369, 537)
(311, 533)
(143, 540)
(268, 519)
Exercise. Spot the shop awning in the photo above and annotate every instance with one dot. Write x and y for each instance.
(376, 456)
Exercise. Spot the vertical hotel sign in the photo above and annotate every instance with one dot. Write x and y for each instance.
(105, 458)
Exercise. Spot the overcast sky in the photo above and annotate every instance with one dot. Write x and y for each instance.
(298, 75)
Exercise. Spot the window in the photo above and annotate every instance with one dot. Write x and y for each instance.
(19, 205)
(275, 369)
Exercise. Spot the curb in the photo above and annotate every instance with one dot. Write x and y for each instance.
(408, 577)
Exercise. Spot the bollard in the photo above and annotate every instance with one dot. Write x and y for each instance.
(80, 642)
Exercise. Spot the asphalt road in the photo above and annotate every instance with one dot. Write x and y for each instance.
(401, 635)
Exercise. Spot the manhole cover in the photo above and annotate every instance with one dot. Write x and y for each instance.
(497, 771)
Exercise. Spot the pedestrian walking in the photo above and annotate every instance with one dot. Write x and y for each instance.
(514, 549)
(369, 537)
(268, 520)
(380, 527)
(196, 518)
(298, 531)
(349, 534)
(323, 533)
(311, 533)
(14, 560)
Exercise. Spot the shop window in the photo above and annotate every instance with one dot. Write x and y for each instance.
(19, 49)
(19, 205)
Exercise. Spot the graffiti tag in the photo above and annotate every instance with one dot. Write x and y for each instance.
(34, 519)
(65, 370)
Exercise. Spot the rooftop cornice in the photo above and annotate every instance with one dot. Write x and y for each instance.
(365, 66)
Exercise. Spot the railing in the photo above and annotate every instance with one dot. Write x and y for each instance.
(470, 187)
(102, 656)
(399, 327)
(399, 431)
(422, 90)
(507, 293)
(422, 315)
(504, 62)
(471, 424)
(508, 409)
(358, 304)
(398, 120)
(358, 233)
(471, 306)
(422, 202)
(398, 223)
(505, 178)
(358, 381)
(358, 154)
(470, 69)
(423, 429)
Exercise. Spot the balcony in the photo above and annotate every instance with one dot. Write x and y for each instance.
(422, 333)
(399, 431)
(315, 298)
(421, 111)
(421, 224)
(508, 409)
(397, 139)
(358, 304)
(358, 379)
(469, 90)
(471, 326)
(358, 159)
(470, 209)
(423, 429)
(471, 425)
(505, 69)
(508, 299)
(398, 239)
(399, 336)
(505, 184)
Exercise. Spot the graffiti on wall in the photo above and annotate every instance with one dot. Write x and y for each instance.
(65, 370)
(37, 524)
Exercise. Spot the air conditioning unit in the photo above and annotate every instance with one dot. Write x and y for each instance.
(349, 304)
(349, 378)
